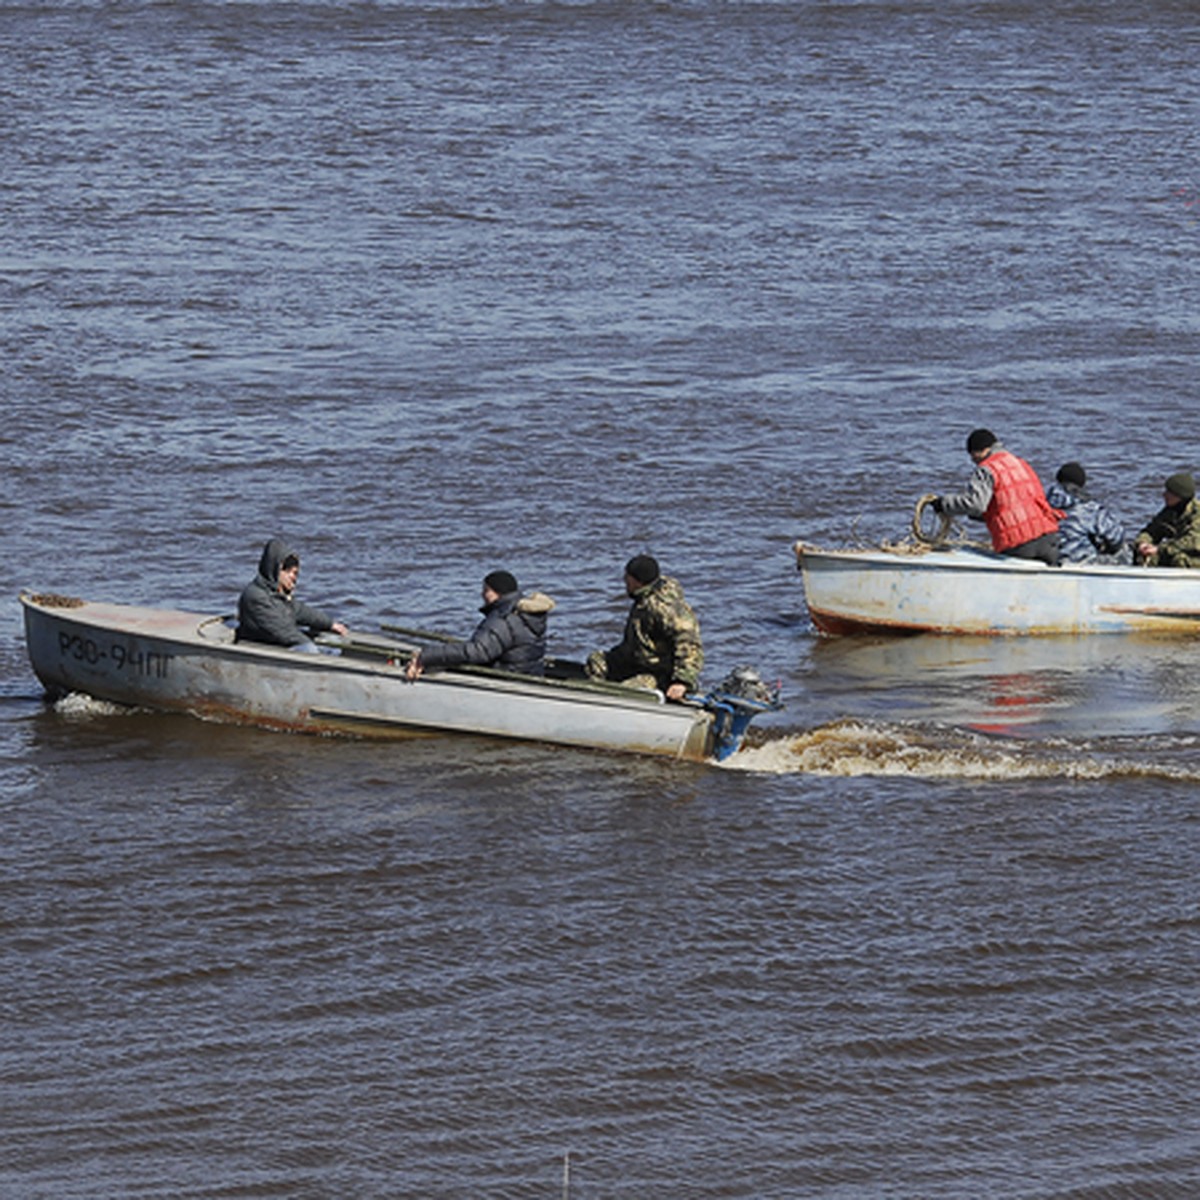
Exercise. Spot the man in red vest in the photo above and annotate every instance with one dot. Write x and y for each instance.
(1005, 492)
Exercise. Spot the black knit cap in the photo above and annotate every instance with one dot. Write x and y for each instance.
(1181, 485)
(1072, 472)
(980, 439)
(643, 568)
(501, 582)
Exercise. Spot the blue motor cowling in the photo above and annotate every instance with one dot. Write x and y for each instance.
(740, 697)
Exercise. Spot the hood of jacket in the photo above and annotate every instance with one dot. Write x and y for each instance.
(1065, 495)
(534, 603)
(665, 586)
(274, 552)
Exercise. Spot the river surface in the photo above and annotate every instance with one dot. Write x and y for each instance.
(436, 288)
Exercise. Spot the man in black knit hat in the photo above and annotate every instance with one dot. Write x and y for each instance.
(1006, 494)
(661, 646)
(511, 636)
(1172, 538)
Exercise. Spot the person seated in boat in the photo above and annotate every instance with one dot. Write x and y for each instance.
(268, 610)
(661, 646)
(1172, 538)
(1005, 493)
(1088, 532)
(511, 636)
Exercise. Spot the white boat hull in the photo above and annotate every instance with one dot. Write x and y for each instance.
(967, 591)
(176, 661)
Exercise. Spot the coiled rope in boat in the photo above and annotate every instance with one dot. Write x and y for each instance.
(931, 537)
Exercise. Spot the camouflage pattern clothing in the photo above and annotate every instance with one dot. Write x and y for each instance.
(1089, 531)
(661, 645)
(1176, 533)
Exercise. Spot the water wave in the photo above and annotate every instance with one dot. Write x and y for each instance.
(854, 747)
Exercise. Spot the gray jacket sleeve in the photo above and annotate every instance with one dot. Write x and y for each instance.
(974, 501)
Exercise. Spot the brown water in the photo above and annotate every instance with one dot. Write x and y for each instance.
(432, 289)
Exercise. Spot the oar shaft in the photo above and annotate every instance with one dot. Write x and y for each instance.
(368, 644)
(428, 635)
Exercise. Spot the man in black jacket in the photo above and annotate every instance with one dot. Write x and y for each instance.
(511, 636)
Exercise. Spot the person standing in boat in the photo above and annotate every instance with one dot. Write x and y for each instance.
(1172, 538)
(511, 636)
(1005, 492)
(268, 610)
(1089, 532)
(661, 647)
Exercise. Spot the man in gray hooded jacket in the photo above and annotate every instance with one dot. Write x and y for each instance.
(268, 610)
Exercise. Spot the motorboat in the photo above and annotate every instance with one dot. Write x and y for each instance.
(171, 660)
(970, 590)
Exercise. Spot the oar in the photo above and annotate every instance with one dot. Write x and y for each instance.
(427, 635)
(368, 644)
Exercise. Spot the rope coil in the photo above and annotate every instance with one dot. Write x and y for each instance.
(935, 537)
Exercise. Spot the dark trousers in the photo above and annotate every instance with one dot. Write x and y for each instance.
(1044, 549)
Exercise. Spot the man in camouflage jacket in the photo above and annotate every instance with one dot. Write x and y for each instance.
(661, 647)
(1172, 539)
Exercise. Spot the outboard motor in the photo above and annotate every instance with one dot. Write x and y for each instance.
(740, 697)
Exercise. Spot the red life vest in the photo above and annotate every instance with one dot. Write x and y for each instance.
(1019, 510)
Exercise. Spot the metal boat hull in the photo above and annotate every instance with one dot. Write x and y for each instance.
(175, 661)
(966, 591)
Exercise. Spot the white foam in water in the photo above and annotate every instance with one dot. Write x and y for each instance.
(853, 748)
(80, 707)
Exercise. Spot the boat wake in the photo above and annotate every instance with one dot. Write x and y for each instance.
(853, 748)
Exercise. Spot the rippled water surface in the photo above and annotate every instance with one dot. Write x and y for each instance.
(432, 289)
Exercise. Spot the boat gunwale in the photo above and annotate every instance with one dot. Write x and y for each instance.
(969, 558)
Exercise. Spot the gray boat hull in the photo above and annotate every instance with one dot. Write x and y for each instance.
(174, 661)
